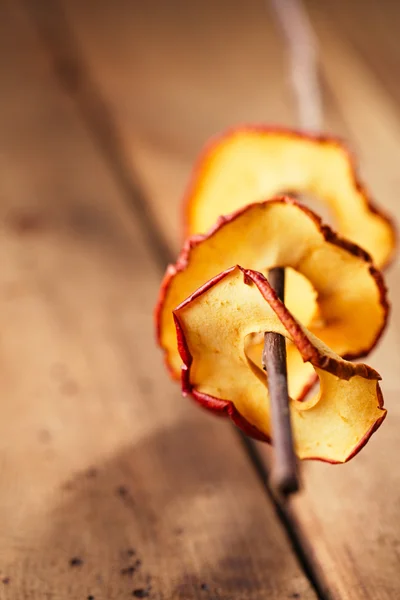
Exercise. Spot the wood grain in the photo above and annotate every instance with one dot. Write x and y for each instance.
(173, 77)
(112, 486)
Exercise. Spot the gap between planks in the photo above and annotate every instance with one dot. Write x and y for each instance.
(75, 78)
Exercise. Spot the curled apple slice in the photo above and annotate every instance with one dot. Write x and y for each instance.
(212, 326)
(250, 164)
(331, 287)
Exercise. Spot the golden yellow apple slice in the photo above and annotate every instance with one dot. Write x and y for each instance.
(332, 286)
(251, 164)
(212, 326)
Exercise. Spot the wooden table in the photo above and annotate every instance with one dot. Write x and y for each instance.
(112, 486)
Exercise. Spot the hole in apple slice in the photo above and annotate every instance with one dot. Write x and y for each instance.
(317, 205)
(301, 375)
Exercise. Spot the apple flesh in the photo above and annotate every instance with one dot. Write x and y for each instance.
(249, 164)
(212, 326)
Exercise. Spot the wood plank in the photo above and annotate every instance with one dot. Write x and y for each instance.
(349, 513)
(165, 76)
(372, 30)
(355, 515)
(102, 464)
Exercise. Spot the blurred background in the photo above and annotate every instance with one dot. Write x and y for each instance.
(156, 79)
(103, 108)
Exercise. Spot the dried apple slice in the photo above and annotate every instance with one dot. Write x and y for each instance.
(212, 326)
(250, 164)
(341, 297)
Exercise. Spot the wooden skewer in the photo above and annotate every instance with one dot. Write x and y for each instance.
(284, 475)
(303, 55)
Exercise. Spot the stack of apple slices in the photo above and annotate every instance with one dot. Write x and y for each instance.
(215, 303)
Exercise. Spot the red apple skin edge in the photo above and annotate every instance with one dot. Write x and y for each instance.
(226, 408)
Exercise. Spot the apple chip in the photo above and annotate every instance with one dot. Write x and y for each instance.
(212, 326)
(251, 164)
(331, 285)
